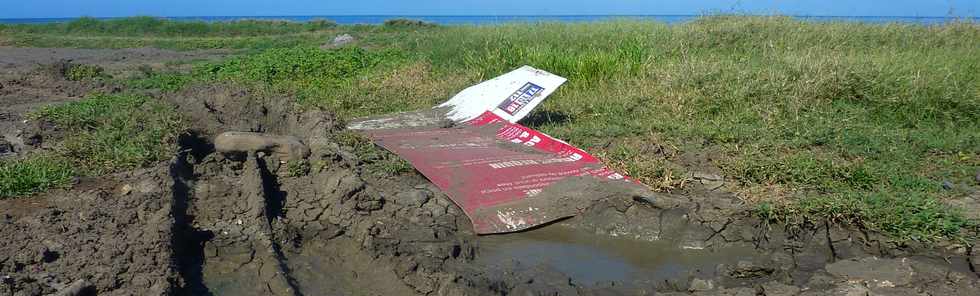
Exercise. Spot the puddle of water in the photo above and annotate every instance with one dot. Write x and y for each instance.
(589, 258)
(341, 268)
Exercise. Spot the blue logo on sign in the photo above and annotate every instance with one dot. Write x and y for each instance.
(520, 98)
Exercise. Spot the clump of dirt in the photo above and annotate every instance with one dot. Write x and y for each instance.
(248, 223)
(221, 107)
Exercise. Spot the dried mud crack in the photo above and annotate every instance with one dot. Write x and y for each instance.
(245, 222)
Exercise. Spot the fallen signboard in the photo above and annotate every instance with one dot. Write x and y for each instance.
(506, 177)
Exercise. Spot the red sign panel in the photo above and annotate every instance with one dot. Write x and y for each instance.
(493, 169)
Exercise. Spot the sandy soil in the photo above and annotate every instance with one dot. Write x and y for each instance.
(208, 223)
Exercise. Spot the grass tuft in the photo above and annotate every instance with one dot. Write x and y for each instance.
(32, 175)
(375, 160)
(78, 72)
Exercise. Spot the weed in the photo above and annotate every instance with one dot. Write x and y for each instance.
(637, 161)
(74, 72)
(376, 160)
(298, 168)
(81, 72)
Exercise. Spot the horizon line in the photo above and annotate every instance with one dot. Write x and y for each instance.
(492, 15)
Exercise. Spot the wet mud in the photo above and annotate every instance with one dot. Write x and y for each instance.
(243, 222)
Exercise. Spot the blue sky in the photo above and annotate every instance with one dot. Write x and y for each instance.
(108, 8)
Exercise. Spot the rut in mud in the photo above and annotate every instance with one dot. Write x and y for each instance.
(253, 223)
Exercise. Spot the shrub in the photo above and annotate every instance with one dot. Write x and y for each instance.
(78, 72)
(298, 65)
(408, 23)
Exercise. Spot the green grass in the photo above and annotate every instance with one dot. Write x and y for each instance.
(109, 133)
(347, 80)
(144, 31)
(303, 66)
(152, 26)
(904, 214)
(848, 122)
(132, 32)
(33, 174)
(165, 81)
(101, 134)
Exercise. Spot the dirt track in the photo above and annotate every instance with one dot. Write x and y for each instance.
(212, 223)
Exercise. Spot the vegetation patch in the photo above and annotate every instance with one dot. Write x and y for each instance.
(103, 134)
(164, 81)
(298, 168)
(109, 133)
(376, 160)
(407, 23)
(153, 26)
(301, 66)
(907, 215)
(32, 175)
(77, 72)
(326, 78)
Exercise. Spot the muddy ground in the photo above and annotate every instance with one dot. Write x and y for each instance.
(212, 223)
(33, 77)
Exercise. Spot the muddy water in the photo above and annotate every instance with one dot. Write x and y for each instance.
(590, 259)
(338, 268)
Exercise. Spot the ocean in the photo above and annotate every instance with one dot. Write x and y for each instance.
(497, 19)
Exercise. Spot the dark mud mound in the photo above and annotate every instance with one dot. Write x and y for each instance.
(112, 234)
(222, 107)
